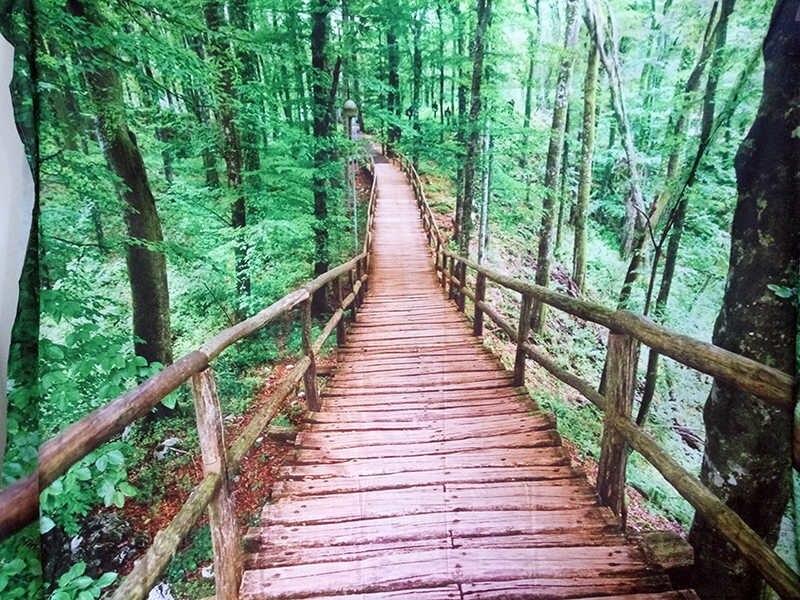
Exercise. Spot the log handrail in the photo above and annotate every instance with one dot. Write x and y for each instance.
(767, 383)
(19, 501)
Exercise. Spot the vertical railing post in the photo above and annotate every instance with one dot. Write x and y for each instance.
(437, 256)
(359, 273)
(444, 271)
(523, 329)
(221, 514)
(310, 377)
(354, 304)
(341, 329)
(480, 296)
(451, 284)
(462, 284)
(365, 282)
(620, 375)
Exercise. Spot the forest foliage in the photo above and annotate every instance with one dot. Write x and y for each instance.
(190, 159)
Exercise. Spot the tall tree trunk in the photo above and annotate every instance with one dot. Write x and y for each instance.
(679, 216)
(747, 460)
(416, 83)
(223, 58)
(587, 155)
(563, 189)
(393, 97)
(147, 268)
(322, 103)
(634, 223)
(555, 151)
(199, 106)
(679, 123)
(484, 15)
(440, 21)
(486, 190)
(461, 120)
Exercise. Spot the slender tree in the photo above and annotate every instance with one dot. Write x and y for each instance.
(147, 266)
(224, 60)
(544, 256)
(484, 15)
(747, 459)
(323, 93)
(587, 155)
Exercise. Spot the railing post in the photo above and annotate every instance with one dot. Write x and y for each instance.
(462, 279)
(354, 304)
(310, 377)
(480, 296)
(365, 283)
(360, 295)
(619, 402)
(523, 329)
(221, 514)
(341, 329)
(450, 269)
(444, 271)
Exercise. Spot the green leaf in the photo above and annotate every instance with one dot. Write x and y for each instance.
(46, 524)
(115, 457)
(106, 579)
(81, 583)
(101, 463)
(83, 474)
(781, 291)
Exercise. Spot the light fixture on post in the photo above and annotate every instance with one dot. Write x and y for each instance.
(349, 111)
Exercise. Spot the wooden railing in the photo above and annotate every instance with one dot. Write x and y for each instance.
(626, 330)
(19, 502)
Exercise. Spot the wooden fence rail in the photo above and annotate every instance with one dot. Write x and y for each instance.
(19, 502)
(619, 431)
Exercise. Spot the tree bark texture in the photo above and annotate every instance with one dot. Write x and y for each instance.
(747, 460)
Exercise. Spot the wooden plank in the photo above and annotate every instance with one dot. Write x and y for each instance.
(432, 568)
(341, 507)
(561, 587)
(587, 521)
(555, 474)
(470, 459)
(539, 439)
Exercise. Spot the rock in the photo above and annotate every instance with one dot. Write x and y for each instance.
(164, 447)
(75, 544)
(207, 572)
(161, 592)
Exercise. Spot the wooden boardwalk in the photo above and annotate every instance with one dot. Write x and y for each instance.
(428, 474)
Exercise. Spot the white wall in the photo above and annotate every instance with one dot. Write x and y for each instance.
(16, 206)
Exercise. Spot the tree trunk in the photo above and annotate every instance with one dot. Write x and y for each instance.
(484, 15)
(147, 268)
(461, 119)
(563, 189)
(322, 103)
(486, 190)
(677, 134)
(585, 177)
(555, 151)
(416, 83)
(219, 50)
(678, 217)
(747, 459)
(393, 97)
(634, 205)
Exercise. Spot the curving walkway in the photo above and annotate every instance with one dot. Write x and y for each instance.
(428, 474)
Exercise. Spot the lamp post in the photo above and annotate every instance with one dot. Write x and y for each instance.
(349, 111)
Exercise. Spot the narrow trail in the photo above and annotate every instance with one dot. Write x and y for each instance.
(428, 474)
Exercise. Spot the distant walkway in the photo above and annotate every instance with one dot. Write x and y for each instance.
(428, 474)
